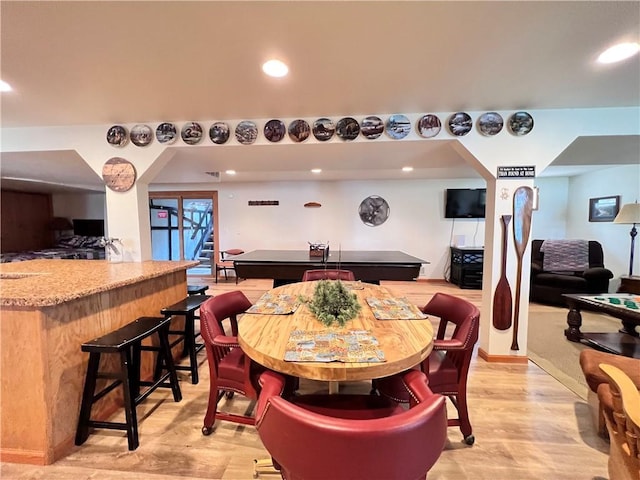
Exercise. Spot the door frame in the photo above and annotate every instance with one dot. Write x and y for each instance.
(180, 195)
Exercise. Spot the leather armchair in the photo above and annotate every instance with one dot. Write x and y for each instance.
(447, 367)
(547, 287)
(348, 437)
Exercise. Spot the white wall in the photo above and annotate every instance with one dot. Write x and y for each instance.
(79, 205)
(416, 224)
(623, 181)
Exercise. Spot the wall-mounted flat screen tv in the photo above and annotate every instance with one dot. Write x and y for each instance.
(465, 202)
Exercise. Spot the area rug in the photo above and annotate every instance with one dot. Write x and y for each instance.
(548, 348)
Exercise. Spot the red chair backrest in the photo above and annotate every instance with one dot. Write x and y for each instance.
(310, 445)
(466, 318)
(328, 274)
(214, 311)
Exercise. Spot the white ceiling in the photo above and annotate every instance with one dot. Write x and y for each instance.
(93, 63)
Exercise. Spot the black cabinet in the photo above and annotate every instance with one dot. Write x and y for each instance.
(466, 267)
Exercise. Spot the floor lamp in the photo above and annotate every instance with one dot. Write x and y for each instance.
(630, 214)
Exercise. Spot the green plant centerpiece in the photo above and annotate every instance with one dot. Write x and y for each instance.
(332, 303)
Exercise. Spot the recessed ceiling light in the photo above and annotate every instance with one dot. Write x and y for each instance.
(316, 170)
(619, 52)
(275, 68)
(407, 169)
(4, 86)
(230, 172)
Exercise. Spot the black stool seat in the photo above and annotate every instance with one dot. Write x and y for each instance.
(186, 307)
(197, 289)
(127, 341)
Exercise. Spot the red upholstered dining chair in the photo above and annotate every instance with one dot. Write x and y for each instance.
(328, 274)
(346, 437)
(447, 367)
(230, 370)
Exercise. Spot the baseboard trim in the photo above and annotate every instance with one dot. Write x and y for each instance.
(502, 358)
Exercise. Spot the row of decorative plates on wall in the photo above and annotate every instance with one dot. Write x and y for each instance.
(246, 132)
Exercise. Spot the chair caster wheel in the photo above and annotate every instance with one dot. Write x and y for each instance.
(469, 440)
(207, 430)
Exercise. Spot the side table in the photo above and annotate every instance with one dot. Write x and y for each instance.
(629, 284)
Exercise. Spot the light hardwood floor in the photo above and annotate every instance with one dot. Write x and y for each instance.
(527, 426)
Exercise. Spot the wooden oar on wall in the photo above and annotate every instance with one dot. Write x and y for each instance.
(522, 209)
(502, 303)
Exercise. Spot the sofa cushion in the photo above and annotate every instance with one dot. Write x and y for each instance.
(565, 281)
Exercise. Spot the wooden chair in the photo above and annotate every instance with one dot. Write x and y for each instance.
(328, 274)
(226, 265)
(623, 425)
(230, 370)
(447, 367)
(344, 437)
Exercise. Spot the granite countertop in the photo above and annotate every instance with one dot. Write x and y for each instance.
(36, 283)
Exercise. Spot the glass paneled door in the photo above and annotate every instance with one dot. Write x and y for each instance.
(184, 227)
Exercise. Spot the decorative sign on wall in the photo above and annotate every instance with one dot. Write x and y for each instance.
(516, 172)
(260, 203)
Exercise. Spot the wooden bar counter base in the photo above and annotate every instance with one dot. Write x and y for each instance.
(48, 308)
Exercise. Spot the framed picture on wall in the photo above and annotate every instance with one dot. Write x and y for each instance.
(604, 209)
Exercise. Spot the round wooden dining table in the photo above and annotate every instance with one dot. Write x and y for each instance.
(405, 343)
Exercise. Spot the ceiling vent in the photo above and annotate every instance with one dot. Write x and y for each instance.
(215, 175)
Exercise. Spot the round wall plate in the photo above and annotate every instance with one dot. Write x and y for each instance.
(166, 133)
(141, 135)
(398, 126)
(429, 126)
(219, 133)
(490, 123)
(117, 136)
(374, 210)
(274, 130)
(299, 130)
(521, 123)
(323, 129)
(348, 128)
(460, 124)
(191, 133)
(372, 127)
(246, 132)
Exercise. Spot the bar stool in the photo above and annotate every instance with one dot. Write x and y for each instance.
(197, 289)
(186, 307)
(127, 342)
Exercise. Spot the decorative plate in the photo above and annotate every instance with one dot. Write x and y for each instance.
(348, 128)
(323, 129)
(166, 133)
(219, 133)
(119, 174)
(490, 123)
(274, 130)
(374, 211)
(372, 127)
(521, 123)
(141, 135)
(398, 126)
(299, 130)
(117, 136)
(246, 132)
(191, 133)
(429, 126)
(460, 124)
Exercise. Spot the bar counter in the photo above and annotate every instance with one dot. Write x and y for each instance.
(48, 308)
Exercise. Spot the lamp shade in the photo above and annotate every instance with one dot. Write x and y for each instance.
(629, 213)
